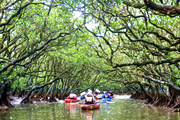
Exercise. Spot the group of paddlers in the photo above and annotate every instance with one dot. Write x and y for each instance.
(91, 97)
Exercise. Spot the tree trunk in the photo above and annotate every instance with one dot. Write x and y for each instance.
(3, 99)
(26, 99)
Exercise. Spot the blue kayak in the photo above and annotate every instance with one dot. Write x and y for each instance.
(106, 99)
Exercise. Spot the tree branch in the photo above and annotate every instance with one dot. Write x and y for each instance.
(162, 82)
(171, 61)
(164, 9)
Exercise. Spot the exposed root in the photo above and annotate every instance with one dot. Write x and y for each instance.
(159, 100)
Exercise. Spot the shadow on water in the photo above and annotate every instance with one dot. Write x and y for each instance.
(118, 109)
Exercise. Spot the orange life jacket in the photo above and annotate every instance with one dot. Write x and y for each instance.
(106, 96)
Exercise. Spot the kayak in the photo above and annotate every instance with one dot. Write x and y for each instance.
(98, 98)
(90, 106)
(71, 101)
(106, 99)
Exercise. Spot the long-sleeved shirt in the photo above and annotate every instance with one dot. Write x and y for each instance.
(74, 97)
(106, 95)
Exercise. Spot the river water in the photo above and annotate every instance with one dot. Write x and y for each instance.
(121, 108)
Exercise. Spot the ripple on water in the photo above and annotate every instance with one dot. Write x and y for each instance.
(118, 109)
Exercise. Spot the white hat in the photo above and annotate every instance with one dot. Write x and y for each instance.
(97, 90)
(72, 94)
(83, 93)
(89, 91)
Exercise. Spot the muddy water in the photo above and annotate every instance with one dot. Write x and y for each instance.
(121, 108)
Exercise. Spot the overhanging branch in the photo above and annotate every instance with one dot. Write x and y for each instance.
(171, 61)
(162, 82)
(164, 9)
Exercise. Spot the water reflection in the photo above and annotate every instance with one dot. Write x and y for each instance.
(71, 109)
(89, 114)
(116, 110)
(106, 106)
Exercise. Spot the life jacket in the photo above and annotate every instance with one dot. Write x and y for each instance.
(106, 96)
(82, 97)
(88, 99)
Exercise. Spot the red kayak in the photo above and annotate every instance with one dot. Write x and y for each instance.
(90, 106)
(71, 101)
(98, 98)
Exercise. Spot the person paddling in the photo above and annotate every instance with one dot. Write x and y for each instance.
(89, 99)
(111, 94)
(106, 95)
(96, 92)
(82, 95)
(72, 96)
